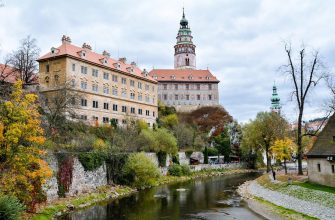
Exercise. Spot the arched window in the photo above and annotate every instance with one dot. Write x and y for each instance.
(187, 61)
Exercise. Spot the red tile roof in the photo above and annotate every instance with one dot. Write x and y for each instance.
(183, 75)
(68, 49)
(8, 74)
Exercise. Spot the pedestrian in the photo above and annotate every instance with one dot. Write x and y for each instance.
(274, 174)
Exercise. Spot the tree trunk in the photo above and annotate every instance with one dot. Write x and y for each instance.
(299, 143)
(285, 166)
(268, 161)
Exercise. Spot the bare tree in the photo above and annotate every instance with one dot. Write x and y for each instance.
(304, 74)
(60, 105)
(24, 59)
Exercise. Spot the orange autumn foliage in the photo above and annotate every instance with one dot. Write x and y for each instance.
(22, 170)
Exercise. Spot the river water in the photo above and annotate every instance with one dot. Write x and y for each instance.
(207, 198)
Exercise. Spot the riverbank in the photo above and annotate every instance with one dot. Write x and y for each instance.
(107, 193)
(280, 200)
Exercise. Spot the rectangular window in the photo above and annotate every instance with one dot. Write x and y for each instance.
(114, 91)
(132, 83)
(124, 81)
(124, 121)
(176, 97)
(147, 98)
(187, 86)
(198, 86)
(83, 69)
(165, 96)
(114, 78)
(147, 112)
(139, 97)
(83, 102)
(83, 85)
(140, 111)
(124, 94)
(209, 86)
(153, 114)
(319, 167)
(165, 86)
(132, 95)
(209, 97)
(73, 67)
(105, 119)
(187, 97)
(95, 104)
(198, 97)
(106, 90)
(333, 168)
(106, 105)
(115, 121)
(95, 88)
(83, 117)
(132, 110)
(176, 86)
(95, 72)
(114, 107)
(147, 87)
(106, 75)
(47, 68)
(139, 85)
(124, 108)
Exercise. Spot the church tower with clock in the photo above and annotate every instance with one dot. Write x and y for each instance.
(184, 55)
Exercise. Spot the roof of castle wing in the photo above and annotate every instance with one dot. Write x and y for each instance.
(70, 50)
(183, 75)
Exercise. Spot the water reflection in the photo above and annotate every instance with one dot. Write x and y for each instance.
(210, 198)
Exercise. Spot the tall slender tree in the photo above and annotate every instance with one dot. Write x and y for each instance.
(305, 73)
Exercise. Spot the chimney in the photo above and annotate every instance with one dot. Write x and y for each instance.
(66, 39)
(133, 64)
(87, 46)
(123, 60)
(106, 54)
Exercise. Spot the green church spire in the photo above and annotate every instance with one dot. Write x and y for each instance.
(275, 100)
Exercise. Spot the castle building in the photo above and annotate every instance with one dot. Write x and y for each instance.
(275, 100)
(185, 87)
(110, 90)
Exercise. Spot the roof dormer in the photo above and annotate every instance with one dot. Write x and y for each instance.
(130, 69)
(82, 53)
(145, 73)
(104, 60)
(173, 77)
(190, 77)
(117, 65)
(54, 50)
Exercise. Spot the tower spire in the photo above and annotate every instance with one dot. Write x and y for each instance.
(275, 100)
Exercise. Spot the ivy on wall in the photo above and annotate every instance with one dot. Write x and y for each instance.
(91, 160)
(64, 175)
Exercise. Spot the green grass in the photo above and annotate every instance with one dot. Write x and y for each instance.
(288, 213)
(315, 186)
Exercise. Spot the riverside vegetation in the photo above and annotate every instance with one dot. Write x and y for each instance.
(28, 133)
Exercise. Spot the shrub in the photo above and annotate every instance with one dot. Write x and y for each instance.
(179, 170)
(212, 151)
(10, 208)
(92, 160)
(166, 141)
(175, 170)
(144, 171)
(161, 156)
(175, 159)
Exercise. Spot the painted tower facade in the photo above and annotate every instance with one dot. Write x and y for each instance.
(275, 100)
(184, 56)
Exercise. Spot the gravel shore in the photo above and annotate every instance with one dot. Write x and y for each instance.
(252, 188)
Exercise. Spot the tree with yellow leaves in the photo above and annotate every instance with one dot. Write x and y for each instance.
(22, 169)
(283, 149)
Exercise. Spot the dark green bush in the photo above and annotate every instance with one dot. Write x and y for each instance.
(115, 164)
(212, 151)
(10, 208)
(179, 170)
(161, 158)
(175, 159)
(91, 160)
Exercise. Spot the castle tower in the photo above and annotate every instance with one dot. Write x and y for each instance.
(184, 55)
(275, 100)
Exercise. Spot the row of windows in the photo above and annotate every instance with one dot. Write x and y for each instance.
(105, 119)
(187, 86)
(186, 97)
(95, 73)
(95, 88)
(124, 109)
(332, 167)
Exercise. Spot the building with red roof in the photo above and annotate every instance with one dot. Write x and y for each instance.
(185, 87)
(110, 89)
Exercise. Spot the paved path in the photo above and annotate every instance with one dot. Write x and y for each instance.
(286, 201)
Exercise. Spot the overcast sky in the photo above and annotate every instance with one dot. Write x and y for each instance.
(240, 41)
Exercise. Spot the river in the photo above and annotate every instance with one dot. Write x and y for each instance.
(207, 198)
